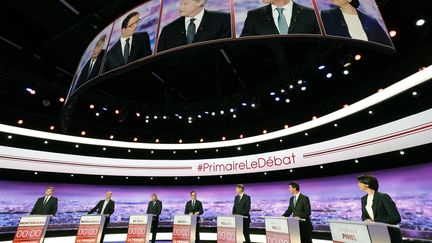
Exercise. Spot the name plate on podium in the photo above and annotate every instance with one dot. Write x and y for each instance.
(230, 229)
(32, 229)
(90, 229)
(184, 227)
(139, 228)
(359, 232)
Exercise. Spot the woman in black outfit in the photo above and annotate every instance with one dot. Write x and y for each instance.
(378, 206)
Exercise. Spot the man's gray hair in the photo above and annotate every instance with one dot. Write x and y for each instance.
(204, 2)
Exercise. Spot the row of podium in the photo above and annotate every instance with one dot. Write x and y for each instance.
(32, 229)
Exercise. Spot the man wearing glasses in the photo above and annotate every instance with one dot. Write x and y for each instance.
(131, 46)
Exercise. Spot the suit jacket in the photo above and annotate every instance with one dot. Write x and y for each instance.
(50, 207)
(260, 21)
(109, 209)
(242, 206)
(213, 26)
(85, 75)
(334, 24)
(155, 209)
(197, 208)
(140, 48)
(383, 207)
(302, 208)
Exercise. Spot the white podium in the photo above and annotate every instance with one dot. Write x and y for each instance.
(90, 229)
(344, 231)
(283, 229)
(32, 229)
(139, 228)
(184, 228)
(230, 229)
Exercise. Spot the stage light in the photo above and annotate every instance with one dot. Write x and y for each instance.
(231, 110)
(244, 104)
(9, 136)
(238, 148)
(257, 145)
(195, 151)
(198, 177)
(127, 178)
(345, 72)
(206, 112)
(151, 178)
(264, 131)
(291, 171)
(180, 141)
(164, 117)
(157, 140)
(97, 114)
(392, 33)
(345, 105)
(129, 150)
(175, 178)
(174, 152)
(147, 121)
(155, 117)
(306, 134)
(253, 105)
(277, 99)
(35, 173)
(220, 177)
(272, 93)
(76, 146)
(213, 113)
(329, 75)
(138, 114)
(335, 125)
(83, 133)
(104, 108)
(92, 106)
(321, 67)
(117, 112)
(414, 93)
(102, 177)
(217, 150)
(357, 57)
(199, 116)
(321, 167)
(51, 128)
(201, 140)
(190, 121)
(287, 101)
(314, 118)
(370, 113)
(300, 81)
(222, 112)
(135, 139)
(152, 152)
(286, 126)
(61, 99)
(20, 122)
(31, 91)
(402, 152)
(282, 91)
(241, 136)
(356, 161)
(380, 90)
(223, 138)
(45, 142)
(111, 137)
(72, 175)
(291, 86)
(234, 116)
(265, 173)
(303, 88)
(347, 64)
(104, 149)
(281, 140)
(420, 22)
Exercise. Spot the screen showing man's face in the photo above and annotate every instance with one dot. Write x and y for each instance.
(131, 27)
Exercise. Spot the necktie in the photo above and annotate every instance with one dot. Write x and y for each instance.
(191, 31)
(283, 26)
(193, 203)
(126, 51)
(295, 201)
(90, 68)
(45, 201)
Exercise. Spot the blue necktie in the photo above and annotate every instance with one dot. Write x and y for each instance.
(191, 31)
(283, 26)
(126, 51)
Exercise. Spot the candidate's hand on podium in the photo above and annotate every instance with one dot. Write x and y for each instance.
(196, 213)
(297, 217)
(369, 220)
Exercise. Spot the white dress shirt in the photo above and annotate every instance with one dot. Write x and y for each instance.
(197, 22)
(295, 199)
(46, 199)
(123, 43)
(287, 13)
(104, 206)
(92, 62)
(355, 27)
(369, 202)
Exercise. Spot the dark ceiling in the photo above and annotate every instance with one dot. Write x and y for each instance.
(42, 42)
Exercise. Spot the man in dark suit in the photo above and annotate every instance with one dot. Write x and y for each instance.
(195, 24)
(299, 207)
(105, 207)
(194, 206)
(379, 207)
(281, 17)
(131, 46)
(92, 67)
(46, 205)
(154, 207)
(242, 206)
